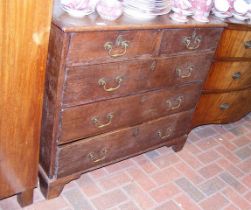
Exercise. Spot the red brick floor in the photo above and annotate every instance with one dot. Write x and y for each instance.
(213, 171)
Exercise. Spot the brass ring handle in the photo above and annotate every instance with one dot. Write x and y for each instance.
(166, 135)
(97, 123)
(224, 106)
(102, 83)
(247, 44)
(118, 43)
(192, 42)
(184, 74)
(96, 159)
(236, 75)
(173, 106)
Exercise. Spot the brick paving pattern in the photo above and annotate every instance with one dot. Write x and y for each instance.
(212, 172)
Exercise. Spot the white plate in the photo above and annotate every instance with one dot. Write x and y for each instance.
(138, 15)
(77, 13)
(240, 17)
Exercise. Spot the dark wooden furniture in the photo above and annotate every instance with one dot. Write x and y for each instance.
(24, 36)
(118, 89)
(227, 91)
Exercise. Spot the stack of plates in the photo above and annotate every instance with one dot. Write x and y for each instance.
(145, 9)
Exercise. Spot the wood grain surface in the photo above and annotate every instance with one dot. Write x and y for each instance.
(232, 44)
(24, 33)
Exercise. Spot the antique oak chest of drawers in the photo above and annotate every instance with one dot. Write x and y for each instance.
(118, 89)
(227, 90)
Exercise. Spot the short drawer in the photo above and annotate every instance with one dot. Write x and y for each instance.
(222, 107)
(95, 47)
(228, 76)
(92, 119)
(103, 149)
(189, 40)
(235, 43)
(97, 82)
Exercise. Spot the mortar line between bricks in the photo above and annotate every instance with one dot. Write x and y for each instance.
(215, 150)
(95, 182)
(87, 197)
(229, 200)
(68, 202)
(150, 177)
(132, 200)
(188, 193)
(185, 194)
(232, 186)
(249, 201)
(209, 197)
(190, 167)
(147, 192)
(167, 200)
(109, 173)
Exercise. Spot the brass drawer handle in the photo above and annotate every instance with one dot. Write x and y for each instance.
(102, 155)
(185, 73)
(175, 104)
(166, 135)
(224, 106)
(109, 46)
(192, 42)
(236, 75)
(102, 83)
(247, 44)
(98, 124)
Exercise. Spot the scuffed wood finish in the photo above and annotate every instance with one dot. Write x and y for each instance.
(51, 188)
(222, 107)
(232, 44)
(89, 47)
(141, 100)
(24, 33)
(53, 85)
(226, 75)
(147, 106)
(105, 148)
(82, 83)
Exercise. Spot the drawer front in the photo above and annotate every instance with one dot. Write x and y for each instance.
(97, 82)
(189, 40)
(229, 76)
(95, 47)
(92, 119)
(222, 107)
(103, 149)
(235, 43)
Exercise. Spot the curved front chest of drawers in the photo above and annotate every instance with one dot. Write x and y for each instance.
(227, 90)
(116, 91)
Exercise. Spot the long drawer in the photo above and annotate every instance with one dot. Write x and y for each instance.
(85, 154)
(222, 107)
(92, 119)
(226, 75)
(97, 82)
